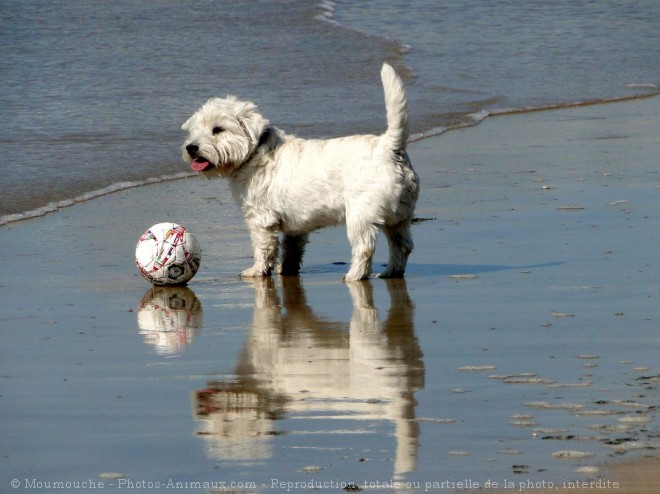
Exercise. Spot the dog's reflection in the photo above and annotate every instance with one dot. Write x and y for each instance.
(296, 363)
(169, 318)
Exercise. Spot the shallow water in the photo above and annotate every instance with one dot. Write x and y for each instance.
(92, 93)
(521, 347)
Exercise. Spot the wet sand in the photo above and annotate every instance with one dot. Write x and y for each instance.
(640, 476)
(522, 345)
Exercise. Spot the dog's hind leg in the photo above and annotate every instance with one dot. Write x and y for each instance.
(400, 243)
(293, 249)
(362, 237)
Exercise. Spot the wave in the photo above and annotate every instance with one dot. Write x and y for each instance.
(327, 10)
(655, 91)
(473, 119)
(88, 196)
(326, 14)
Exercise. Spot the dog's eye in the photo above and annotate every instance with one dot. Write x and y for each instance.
(217, 130)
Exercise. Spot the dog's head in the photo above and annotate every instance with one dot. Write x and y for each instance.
(222, 135)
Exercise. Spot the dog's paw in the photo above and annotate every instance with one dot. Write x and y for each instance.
(255, 272)
(287, 270)
(355, 277)
(390, 274)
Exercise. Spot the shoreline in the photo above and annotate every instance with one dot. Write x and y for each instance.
(476, 119)
(525, 328)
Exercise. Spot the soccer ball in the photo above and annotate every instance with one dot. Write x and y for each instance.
(167, 254)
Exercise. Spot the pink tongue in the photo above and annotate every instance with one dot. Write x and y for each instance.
(199, 166)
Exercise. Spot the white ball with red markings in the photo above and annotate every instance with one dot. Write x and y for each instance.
(167, 254)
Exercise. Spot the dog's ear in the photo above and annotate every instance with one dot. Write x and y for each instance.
(186, 124)
(252, 121)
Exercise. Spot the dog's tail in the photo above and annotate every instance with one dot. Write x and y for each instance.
(397, 132)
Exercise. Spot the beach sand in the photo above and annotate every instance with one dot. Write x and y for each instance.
(640, 476)
(522, 345)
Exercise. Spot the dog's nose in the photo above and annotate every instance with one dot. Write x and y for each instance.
(192, 149)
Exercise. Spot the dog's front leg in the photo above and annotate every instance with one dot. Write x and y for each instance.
(264, 246)
(362, 236)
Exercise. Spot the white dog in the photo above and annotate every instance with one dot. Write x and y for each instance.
(285, 184)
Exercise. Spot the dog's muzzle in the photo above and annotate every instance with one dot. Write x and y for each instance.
(199, 163)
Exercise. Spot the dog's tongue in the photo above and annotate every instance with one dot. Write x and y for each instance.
(199, 165)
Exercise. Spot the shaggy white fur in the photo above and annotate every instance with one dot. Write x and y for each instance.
(292, 186)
